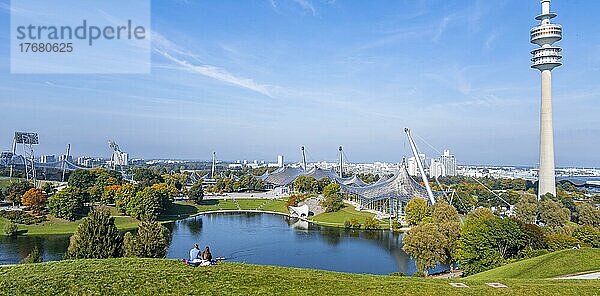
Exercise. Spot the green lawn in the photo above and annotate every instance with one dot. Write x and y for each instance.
(275, 205)
(551, 265)
(168, 277)
(348, 212)
(189, 208)
(60, 226)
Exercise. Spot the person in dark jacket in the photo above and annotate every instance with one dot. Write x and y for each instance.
(206, 255)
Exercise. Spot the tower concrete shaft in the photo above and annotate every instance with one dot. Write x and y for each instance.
(545, 59)
(547, 183)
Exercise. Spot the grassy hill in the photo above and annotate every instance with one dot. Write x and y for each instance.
(169, 277)
(547, 266)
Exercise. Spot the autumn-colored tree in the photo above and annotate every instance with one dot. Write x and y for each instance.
(417, 209)
(34, 199)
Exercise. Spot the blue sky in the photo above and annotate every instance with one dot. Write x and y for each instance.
(254, 79)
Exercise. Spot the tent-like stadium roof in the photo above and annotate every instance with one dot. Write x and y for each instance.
(399, 186)
(284, 176)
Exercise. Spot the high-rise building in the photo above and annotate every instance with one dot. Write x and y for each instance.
(412, 167)
(47, 158)
(436, 169)
(448, 161)
(545, 59)
(280, 161)
(64, 157)
(120, 158)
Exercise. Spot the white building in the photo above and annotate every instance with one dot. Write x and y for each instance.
(120, 158)
(436, 169)
(413, 168)
(47, 158)
(449, 162)
(280, 161)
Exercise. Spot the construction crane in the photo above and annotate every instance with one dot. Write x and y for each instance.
(415, 152)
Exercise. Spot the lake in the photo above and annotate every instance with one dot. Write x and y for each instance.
(256, 238)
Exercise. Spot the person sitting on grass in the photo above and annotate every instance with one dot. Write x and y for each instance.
(206, 255)
(195, 254)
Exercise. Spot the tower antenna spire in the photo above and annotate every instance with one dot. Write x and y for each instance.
(545, 58)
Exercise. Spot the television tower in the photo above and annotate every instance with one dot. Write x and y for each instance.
(546, 58)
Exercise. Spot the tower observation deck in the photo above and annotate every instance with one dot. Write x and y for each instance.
(545, 59)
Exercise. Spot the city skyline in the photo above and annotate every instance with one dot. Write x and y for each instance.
(323, 74)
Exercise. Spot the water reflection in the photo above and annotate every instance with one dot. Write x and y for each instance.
(14, 249)
(259, 239)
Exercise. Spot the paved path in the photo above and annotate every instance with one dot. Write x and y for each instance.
(586, 276)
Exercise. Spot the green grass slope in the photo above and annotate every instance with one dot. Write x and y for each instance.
(168, 277)
(547, 266)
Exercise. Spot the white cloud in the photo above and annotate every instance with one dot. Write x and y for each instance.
(181, 57)
(307, 5)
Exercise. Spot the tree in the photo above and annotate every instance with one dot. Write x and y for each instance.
(447, 221)
(96, 237)
(588, 215)
(553, 214)
(34, 257)
(67, 204)
(588, 235)
(48, 189)
(526, 208)
(146, 177)
(34, 199)
(15, 191)
(481, 213)
(416, 210)
(109, 193)
(306, 184)
(558, 242)
(11, 229)
(123, 196)
(82, 179)
(371, 223)
(196, 193)
(177, 180)
(424, 244)
(333, 201)
(147, 203)
(151, 241)
(487, 242)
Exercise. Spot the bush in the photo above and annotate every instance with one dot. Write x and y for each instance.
(371, 223)
(528, 253)
(34, 257)
(352, 223)
(558, 242)
(21, 217)
(588, 235)
(151, 241)
(67, 204)
(588, 215)
(292, 201)
(11, 229)
(96, 237)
